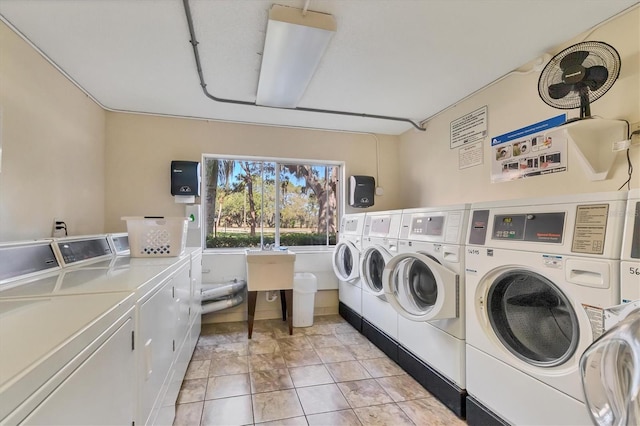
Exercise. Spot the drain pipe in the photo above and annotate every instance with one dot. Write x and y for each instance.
(216, 291)
(194, 43)
(219, 305)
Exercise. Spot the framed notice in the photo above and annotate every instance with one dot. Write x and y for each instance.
(469, 128)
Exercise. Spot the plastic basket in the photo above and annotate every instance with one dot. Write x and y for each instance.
(156, 236)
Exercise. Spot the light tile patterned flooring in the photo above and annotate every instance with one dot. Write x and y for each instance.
(326, 374)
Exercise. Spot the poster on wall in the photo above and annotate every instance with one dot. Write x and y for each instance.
(529, 151)
(469, 128)
(470, 155)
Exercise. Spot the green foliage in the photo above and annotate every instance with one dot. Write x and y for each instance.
(290, 239)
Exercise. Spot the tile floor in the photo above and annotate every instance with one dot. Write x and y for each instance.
(326, 374)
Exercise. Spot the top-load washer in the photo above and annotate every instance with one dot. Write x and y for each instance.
(424, 283)
(158, 291)
(346, 265)
(630, 258)
(539, 273)
(379, 245)
(55, 345)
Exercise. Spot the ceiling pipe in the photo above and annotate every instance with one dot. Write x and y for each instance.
(194, 43)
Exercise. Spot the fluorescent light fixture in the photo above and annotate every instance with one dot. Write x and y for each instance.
(294, 44)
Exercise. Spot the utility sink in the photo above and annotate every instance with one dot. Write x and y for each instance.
(270, 270)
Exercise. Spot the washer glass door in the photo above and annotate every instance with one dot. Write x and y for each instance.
(421, 288)
(532, 318)
(373, 263)
(345, 261)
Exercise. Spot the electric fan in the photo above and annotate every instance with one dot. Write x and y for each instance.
(579, 75)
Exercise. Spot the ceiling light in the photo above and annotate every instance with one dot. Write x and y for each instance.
(294, 44)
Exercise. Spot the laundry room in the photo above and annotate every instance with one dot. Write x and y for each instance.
(464, 137)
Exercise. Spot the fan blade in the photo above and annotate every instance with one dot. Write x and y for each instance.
(596, 76)
(573, 58)
(559, 90)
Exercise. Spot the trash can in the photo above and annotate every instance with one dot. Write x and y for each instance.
(305, 286)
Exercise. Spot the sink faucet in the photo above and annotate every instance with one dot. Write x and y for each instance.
(267, 247)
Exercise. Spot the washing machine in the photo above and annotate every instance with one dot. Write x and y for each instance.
(55, 348)
(379, 245)
(346, 265)
(539, 273)
(424, 283)
(158, 289)
(630, 264)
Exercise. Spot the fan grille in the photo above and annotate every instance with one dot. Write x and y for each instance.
(600, 54)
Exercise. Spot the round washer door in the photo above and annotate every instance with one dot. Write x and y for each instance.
(346, 259)
(372, 262)
(532, 318)
(420, 289)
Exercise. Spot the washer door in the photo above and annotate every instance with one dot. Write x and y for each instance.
(532, 318)
(421, 289)
(372, 264)
(346, 259)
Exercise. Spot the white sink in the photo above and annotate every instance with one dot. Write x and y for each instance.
(269, 269)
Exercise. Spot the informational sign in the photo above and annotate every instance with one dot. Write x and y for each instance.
(529, 151)
(469, 128)
(469, 156)
(590, 228)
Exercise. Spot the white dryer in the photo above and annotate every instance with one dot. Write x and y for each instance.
(346, 265)
(630, 264)
(424, 283)
(379, 245)
(538, 274)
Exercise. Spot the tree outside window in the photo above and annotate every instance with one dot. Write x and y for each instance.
(247, 205)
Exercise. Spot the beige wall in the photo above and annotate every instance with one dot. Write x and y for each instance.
(140, 149)
(430, 168)
(52, 138)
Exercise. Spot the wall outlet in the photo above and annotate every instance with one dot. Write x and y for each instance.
(59, 228)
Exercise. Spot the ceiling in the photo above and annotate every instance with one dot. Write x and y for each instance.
(400, 58)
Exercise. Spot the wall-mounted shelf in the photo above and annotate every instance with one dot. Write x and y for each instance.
(592, 138)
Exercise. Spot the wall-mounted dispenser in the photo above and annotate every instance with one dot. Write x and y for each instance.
(185, 181)
(361, 191)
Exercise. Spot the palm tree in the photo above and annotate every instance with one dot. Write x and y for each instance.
(218, 171)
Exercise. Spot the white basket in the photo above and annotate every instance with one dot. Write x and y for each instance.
(156, 236)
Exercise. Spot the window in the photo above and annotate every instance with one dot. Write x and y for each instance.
(252, 203)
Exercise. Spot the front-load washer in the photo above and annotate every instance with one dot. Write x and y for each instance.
(630, 258)
(379, 245)
(424, 283)
(539, 273)
(346, 265)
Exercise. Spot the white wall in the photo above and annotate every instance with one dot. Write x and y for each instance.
(224, 267)
(429, 169)
(139, 150)
(52, 140)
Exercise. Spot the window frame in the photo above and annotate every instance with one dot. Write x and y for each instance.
(340, 197)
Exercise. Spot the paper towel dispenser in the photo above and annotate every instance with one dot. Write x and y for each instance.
(185, 178)
(361, 191)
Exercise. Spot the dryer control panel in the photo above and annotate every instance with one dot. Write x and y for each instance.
(538, 228)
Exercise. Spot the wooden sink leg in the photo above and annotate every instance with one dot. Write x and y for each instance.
(289, 299)
(253, 297)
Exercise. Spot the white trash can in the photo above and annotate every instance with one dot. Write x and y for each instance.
(305, 286)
